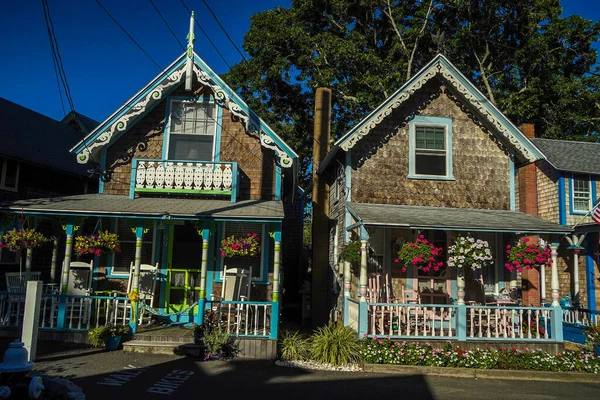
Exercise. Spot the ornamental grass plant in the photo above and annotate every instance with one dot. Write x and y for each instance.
(293, 346)
(335, 345)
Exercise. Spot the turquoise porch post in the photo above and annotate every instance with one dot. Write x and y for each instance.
(135, 281)
(62, 302)
(362, 306)
(203, 274)
(275, 295)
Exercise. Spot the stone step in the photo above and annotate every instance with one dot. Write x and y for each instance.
(154, 347)
(164, 338)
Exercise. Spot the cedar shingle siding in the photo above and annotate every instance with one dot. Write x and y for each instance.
(481, 168)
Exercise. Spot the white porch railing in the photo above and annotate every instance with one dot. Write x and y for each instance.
(580, 316)
(187, 177)
(64, 312)
(485, 322)
(410, 320)
(245, 318)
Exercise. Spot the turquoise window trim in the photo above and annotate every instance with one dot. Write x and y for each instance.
(218, 123)
(278, 177)
(511, 176)
(592, 185)
(562, 209)
(446, 122)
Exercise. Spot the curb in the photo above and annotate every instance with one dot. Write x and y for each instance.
(520, 375)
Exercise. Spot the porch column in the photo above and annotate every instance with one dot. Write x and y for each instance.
(203, 272)
(67, 264)
(135, 279)
(54, 258)
(543, 282)
(364, 246)
(554, 287)
(276, 262)
(28, 258)
(347, 279)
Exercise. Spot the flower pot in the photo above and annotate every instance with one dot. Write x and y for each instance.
(112, 343)
(597, 350)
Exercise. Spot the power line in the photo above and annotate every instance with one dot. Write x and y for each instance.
(170, 30)
(223, 29)
(205, 34)
(128, 35)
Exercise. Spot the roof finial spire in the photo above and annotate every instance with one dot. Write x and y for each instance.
(190, 55)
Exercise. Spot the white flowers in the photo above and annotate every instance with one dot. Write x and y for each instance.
(468, 252)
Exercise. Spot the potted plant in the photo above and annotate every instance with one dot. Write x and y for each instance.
(108, 336)
(470, 253)
(526, 255)
(421, 253)
(15, 240)
(240, 246)
(97, 243)
(592, 337)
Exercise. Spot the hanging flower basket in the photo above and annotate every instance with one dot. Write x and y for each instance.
(14, 240)
(526, 255)
(421, 253)
(466, 252)
(97, 244)
(240, 246)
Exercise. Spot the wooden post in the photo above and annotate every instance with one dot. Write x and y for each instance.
(67, 264)
(276, 262)
(135, 281)
(28, 258)
(54, 258)
(364, 248)
(203, 272)
(543, 282)
(31, 317)
(554, 286)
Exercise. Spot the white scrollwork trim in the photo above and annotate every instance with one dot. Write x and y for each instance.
(284, 158)
(122, 123)
(438, 68)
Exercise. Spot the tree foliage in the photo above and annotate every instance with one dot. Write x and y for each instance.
(534, 64)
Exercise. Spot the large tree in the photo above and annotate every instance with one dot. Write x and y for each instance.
(535, 65)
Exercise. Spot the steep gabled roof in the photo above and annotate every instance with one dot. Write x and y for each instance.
(29, 136)
(86, 123)
(126, 116)
(440, 67)
(570, 155)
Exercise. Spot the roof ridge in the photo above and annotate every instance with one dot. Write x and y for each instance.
(566, 141)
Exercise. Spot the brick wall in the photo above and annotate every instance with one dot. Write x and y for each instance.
(480, 165)
(145, 140)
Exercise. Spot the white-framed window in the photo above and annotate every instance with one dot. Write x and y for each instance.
(430, 146)
(257, 262)
(192, 130)
(9, 175)
(122, 261)
(581, 194)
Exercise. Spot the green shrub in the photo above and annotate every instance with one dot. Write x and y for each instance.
(292, 346)
(98, 336)
(337, 345)
(214, 341)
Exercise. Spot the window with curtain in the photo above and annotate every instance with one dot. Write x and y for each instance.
(192, 130)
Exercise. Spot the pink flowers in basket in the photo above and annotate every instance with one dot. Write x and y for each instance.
(248, 246)
(526, 255)
(421, 253)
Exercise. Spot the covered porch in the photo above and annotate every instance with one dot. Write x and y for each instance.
(384, 297)
(180, 237)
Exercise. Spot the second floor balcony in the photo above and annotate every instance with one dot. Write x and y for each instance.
(184, 177)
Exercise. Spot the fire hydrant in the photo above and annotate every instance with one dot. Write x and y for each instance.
(14, 382)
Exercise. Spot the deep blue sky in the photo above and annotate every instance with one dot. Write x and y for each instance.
(104, 68)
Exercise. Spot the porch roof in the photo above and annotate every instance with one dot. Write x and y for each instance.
(148, 207)
(447, 218)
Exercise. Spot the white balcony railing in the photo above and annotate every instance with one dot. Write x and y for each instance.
(185, 177)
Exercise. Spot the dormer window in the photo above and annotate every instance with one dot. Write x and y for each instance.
(430, 148)
(192, 130)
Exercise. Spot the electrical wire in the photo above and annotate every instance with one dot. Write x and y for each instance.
(205, 34)
(168, 27)
(224, 31)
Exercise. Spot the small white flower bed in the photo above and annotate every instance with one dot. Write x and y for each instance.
(318, 366)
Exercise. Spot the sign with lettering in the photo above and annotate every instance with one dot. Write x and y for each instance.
(170, 382)
(120, 378)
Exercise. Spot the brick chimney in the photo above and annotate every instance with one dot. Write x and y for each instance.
(528, 205)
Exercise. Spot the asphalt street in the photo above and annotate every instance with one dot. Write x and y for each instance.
(118, 375)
